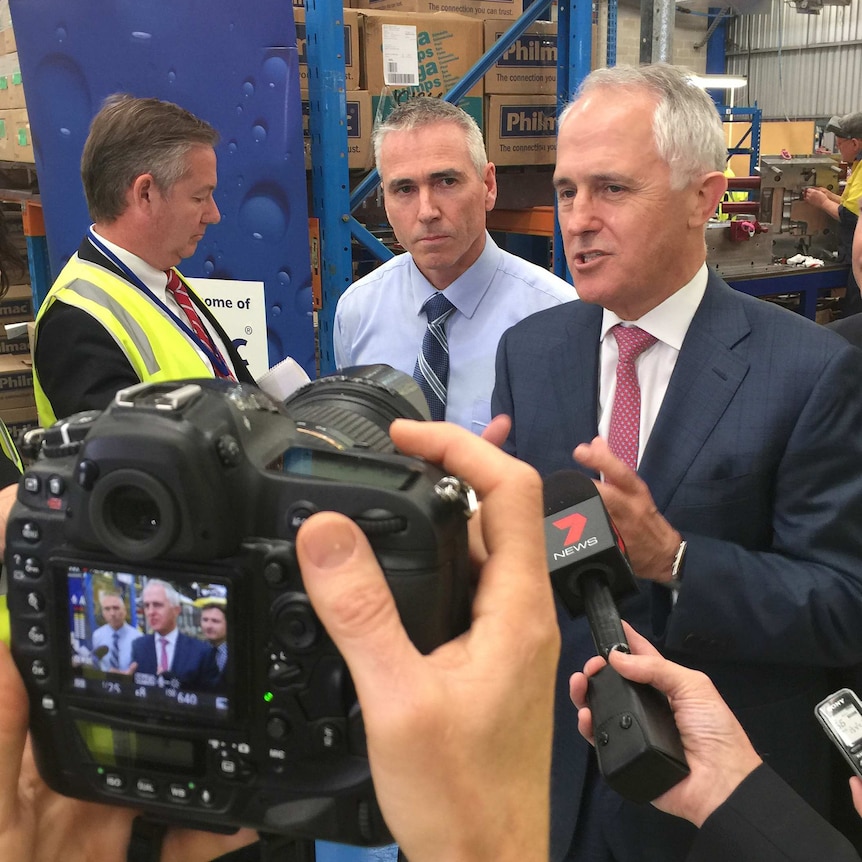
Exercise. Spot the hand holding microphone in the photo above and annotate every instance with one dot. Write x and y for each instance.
(638, 746)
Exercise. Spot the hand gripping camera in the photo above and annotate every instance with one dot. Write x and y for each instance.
(185, 496)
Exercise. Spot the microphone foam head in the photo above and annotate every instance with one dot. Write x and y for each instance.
(566, 488)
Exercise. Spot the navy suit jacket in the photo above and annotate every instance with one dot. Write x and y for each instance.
(194, 663)
(756, 458)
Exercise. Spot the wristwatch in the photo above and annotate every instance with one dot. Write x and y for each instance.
(676, 566)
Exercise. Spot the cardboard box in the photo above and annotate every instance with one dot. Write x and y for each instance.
(359, 123)
(11, 87)
(16, 382)
(480, 9)
(16, 304)
(352, 63)
(7, 40)
(529, 65)
(17, 345)
(521, 130)
(20, 419)
(16, 145)
(6, 133)
(447, 46)
(20, 139)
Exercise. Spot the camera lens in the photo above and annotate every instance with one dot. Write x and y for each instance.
(356, 406)
(133, 515)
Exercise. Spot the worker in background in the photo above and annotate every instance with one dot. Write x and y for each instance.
(438, 311)
(214, 629)
(475, 794)
(851, 327)
(844, 208)
(119, 313)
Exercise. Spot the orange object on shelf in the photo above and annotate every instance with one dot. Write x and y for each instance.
(534, 221)
(32, 219)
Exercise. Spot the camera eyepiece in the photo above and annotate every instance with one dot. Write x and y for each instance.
(133, 515)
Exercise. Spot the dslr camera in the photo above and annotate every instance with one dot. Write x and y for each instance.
(185, 496)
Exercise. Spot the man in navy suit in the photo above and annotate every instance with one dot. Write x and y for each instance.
(167, 650)
(741, 501)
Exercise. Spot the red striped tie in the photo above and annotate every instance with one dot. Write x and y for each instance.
(624, 432)
(178, 291)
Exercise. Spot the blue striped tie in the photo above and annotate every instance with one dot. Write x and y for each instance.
(115, 651)
(432, 365)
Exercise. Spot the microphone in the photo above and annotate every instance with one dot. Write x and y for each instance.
(586, 557)
(100, 652)
(638, 746)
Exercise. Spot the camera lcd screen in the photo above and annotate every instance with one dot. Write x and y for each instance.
(111, 746)
(153, 643)
(321, 464)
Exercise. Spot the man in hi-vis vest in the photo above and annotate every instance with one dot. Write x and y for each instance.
(119, 313)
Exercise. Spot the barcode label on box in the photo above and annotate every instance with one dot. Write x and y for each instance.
(400, 56)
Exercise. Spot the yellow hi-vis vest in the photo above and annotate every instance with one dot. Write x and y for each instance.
(9, 450)
(7, 445)
(151, 341)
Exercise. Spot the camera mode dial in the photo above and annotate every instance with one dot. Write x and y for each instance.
(65, 437)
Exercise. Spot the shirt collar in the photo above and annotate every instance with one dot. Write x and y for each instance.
(170, 637)
(466, 292)
(153, 278)
(669, 321)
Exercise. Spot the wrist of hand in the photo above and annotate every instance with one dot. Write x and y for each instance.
(727, 779)
(668, 565)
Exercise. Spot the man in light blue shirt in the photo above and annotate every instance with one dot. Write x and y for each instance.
(116, 635)
(438, 186)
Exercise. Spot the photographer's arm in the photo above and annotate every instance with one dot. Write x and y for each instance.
(459, 740)
(38, 825)
(744, 811)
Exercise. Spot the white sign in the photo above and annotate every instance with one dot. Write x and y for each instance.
(240, 308)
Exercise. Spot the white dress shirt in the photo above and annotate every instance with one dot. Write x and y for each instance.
(379, 318)
(669, 323)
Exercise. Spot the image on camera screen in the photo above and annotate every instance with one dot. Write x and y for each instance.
(149, 642)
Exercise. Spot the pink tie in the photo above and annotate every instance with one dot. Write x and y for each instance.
(164, 665)
(624, 433)
(178, 291)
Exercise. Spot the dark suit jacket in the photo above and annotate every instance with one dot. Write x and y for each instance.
(763, 820)
(756, 458)
(69, 338)
(194, 663)
(849, 328)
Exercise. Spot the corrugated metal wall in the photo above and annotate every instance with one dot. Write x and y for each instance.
(799, 66)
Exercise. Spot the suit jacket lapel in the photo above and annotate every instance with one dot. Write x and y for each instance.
(576, 383)
(707, 374)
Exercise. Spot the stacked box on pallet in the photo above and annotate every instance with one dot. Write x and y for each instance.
(17, 400)
(16, 145)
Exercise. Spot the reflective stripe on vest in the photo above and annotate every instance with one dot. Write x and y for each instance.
(7, 444)
(155, 348)
(90, 291)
